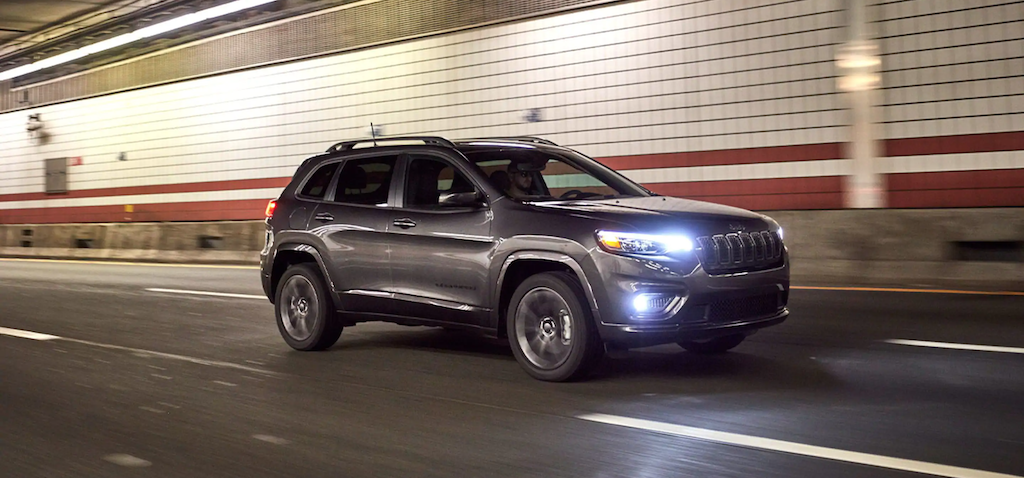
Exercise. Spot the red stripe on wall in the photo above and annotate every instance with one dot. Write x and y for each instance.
(756, 194)
(774, 154)
(963, 143)
(182, 211)
(987, 188)
(155, 189)
(762, 194)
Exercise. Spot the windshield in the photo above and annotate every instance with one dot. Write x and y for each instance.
(533, 174)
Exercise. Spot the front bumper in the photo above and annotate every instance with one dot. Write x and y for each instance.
(713, 305)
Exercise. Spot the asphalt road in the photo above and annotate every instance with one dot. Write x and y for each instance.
(138, 383)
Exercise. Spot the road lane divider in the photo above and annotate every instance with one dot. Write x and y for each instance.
(905, 290)
(27, 334)
(956, 346)
(207, 293)
(127, 263)
(760, 443)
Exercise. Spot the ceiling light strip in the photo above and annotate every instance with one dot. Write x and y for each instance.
(150, 31)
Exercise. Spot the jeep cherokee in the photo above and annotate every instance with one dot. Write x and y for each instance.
(517, 238)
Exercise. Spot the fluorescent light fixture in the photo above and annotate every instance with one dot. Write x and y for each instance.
(152, 30)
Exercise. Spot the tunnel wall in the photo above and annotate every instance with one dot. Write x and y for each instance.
(690, 98)
(727, 101)
(953, 102)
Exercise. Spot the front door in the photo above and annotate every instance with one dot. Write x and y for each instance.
(440, 251)
(353, 223)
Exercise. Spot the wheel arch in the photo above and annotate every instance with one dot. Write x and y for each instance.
(293, 253)
(522, 264)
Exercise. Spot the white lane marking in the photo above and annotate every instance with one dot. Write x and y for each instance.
(183, 358)
(203, 292)
(25, 334)
(271, 439)
(793, 448)
(127, 460)
(955, 346)
(226, 384)
(125, 263)
(138, 352)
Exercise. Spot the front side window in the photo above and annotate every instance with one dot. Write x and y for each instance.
(366, 181)
(430, 181)
(533, 174)
(316, 187)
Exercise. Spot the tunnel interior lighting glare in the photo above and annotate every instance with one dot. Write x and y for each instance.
(152, 30)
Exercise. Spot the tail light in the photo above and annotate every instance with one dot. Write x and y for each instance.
(270, 208)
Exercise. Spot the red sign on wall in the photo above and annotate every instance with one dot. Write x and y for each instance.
(75, 161)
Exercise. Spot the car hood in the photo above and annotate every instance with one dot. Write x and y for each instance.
(661, 212)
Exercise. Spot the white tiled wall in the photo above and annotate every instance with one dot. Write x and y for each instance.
(635, 78)
(952, 66)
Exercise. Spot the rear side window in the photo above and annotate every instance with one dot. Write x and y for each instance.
(366, 181)
(316, 187)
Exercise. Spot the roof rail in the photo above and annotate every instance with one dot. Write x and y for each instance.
(525, 139)
(430, 140)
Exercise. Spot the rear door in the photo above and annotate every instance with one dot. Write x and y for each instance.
(440, 254)
(352, 222)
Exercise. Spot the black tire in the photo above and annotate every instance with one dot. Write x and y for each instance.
(717, 345)
(325, 328)
(582, 349)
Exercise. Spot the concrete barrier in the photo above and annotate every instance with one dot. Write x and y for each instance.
(234, 242)
(969, 248)
(975, 248)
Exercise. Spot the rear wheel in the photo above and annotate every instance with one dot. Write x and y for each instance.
(306, 316)
(716, 345)
(551, 331)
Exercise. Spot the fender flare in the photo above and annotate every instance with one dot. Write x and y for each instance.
(547, 256)
(312, 251)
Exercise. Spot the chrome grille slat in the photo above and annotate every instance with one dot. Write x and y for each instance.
(739, 251)
(760, 247)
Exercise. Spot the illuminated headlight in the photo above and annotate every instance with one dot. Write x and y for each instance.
(646, 244)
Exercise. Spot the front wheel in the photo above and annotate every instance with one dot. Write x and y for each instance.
(305, 312)
(552, 333)
(716, 345)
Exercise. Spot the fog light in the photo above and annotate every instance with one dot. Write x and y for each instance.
(654, 305)
(641, 303)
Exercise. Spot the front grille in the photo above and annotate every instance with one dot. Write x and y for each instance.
(739, 251)
(730, 310)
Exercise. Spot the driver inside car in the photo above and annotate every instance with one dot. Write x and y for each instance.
(521, 182)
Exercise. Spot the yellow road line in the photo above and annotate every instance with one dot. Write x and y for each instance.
(124, 263)
(923, 291)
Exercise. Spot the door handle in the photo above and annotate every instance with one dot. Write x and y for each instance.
(324, 217)
(404, 223)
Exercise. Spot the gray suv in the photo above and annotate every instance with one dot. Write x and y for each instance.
(517, 238)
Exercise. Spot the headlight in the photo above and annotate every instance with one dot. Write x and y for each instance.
(647, 244)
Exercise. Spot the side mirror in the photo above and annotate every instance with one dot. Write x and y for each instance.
(470, 199)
